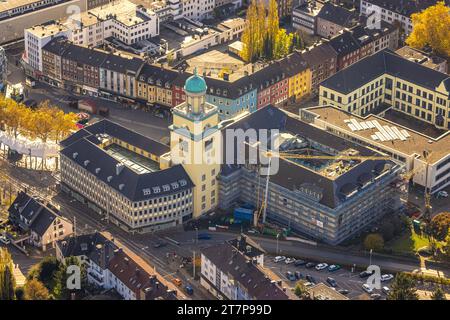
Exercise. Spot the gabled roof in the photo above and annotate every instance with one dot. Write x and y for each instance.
(384, 62)
(318, 54)
(38, 215)
(121, 64)
(338, 15)
(405, 7)
(157, 76)
(243, 271)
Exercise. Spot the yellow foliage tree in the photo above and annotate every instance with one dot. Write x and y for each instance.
(432, 27)
(250, 35)
(15, 116)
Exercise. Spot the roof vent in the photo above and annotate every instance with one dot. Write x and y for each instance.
(75, 155)
(109, 178)
(119, 168)
(86, 162)
(121, 186)
(97, 170)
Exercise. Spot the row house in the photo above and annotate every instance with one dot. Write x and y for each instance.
(80, 68)
(232, 98)
(299, 74)
(322, 62)
(118, 76)
(273, 85)
(155, 85)
(352, 45)
(51, 60)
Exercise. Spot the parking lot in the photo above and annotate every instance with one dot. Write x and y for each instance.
(345, 279)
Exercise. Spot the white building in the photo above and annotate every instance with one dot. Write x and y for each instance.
(117, 173)
(36, 38)
(232, 271)
(399, 11)
(109, 267)
(122, 20)
(197, 9)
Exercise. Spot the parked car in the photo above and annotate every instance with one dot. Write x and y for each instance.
(279, 259)
(365, 274)
(321, 266)
(367, 288)
(375, 296)
(309, 284)
(177, 282)
(289, 260)
(310, 265)
(299, 263)
(310, 279)
(5, 239)
(386, 290)
(442, 194)
(332, 282)
(290, 276)
(159, 244)
(189, 290)
(298, 275)
(387, 277)
(343, 291)
(334, 267)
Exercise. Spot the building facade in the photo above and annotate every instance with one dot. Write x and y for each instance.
(312, 198)
(117, 173)
(387, 78)
(195, 144)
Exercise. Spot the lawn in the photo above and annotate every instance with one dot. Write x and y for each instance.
(409, 242)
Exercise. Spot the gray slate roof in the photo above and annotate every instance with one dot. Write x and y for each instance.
(234, 263)
(385, 61)
(291, 176)
(84, 145)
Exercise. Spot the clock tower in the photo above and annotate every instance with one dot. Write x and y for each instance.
(195, 143)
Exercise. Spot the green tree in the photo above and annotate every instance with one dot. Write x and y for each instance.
(35, 290)
(301, 291)
(403, 288)
(61, 291)
(7, 281)
(438, 294)
(374, 241)
(45, 271)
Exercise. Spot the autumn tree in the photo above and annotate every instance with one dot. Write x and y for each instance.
(403, 288)
(374, 241)
(15, 116)
(431, 27)
(35, 290)
(262, 36)
(439, 225)
(7, 281)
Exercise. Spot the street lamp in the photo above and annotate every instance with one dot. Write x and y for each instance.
(278, 236)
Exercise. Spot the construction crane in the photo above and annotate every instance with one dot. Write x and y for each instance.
(262, 210)
(427, 194)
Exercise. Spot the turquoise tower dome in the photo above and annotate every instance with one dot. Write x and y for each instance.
(195, 84)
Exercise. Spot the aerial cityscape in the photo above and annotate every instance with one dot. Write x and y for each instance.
(201, 150)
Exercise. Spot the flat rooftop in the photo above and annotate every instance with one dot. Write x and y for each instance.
(46, 30)
(415, 143)
(11, 4)
(124, 12)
